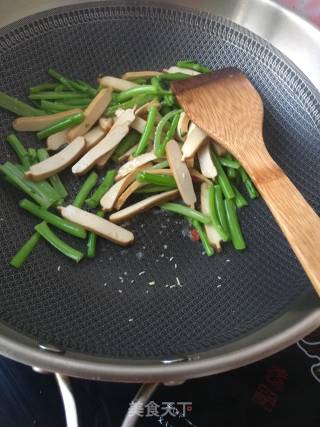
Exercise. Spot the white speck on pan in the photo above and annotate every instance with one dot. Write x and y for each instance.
(125, 273)
(178, 282)
(162, 255)
(139, 255)
(132, 281)
(131, 320)
(219, 286)
(152, 283)
(165, 246)
(172, 286)
(59, 268)
(175, 266)
(141, 273)
(171, 259)
(120, 291)
(219, 277)
(228, 260)
(105, 284)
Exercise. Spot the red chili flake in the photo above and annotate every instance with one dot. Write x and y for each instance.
(195, 235)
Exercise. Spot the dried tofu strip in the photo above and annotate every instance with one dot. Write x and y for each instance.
(37, 123)
(206, 164)
(104, 160)
(105, 124)
(195, 138)
(183, 126)
(92, 113)
(143, 205)
(135, 163)
(131, 75)
(127, 193)
(98, 225)
(213, 236)
(182, 70)
(57, 140)
(138, 124)
(181, 173)
(145, 108)
(116, 83)
(94, 136)
(109, 199)
(58, 162)
(118, 131)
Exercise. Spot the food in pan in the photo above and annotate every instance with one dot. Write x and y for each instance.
(133, 130)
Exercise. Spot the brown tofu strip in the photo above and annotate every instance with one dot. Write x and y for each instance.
(143, 206)
(36, 123)
(181, 173)
(97, 225)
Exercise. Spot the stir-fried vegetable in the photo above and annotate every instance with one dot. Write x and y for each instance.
(132, 128)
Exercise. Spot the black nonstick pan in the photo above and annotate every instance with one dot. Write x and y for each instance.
(102, 319)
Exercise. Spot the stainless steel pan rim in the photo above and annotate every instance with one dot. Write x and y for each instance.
(302, 319)
(281, 333)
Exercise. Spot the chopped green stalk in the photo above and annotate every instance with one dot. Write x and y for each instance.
(251, 189)
(57, 95)
(107, 182)
(234, 226)
(55, 220)
(170, 100)
(186, 211)
(158, 146)
(92, 240)
(82, 102)
(151, 189)
(23, 253)
(54, 180)
(239, 199)
(220, 210)
(55, 107)
(73, 120)
(128, 142)
(136, 101)
(61, 88)
(32, 152)
(59, 244)
(204, 238)
(161, 165)
(33, 189)
(171, 132)
(19, 149)
(222, 178)
(193, 66)
(85, 189)
(148, 131)
(229, 163)
(163, 180)
(224, 233)
(156, 83)
(43, 87)
(18, 107)
(57, 76)
(139, 90)
(231, 173)
(173, 76)
(85, 87)
(42, 187)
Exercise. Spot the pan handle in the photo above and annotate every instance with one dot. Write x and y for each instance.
(69, 403)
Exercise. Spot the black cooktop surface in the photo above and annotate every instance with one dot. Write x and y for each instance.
(280, 391)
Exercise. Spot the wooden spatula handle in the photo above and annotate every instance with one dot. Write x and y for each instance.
(298, 221)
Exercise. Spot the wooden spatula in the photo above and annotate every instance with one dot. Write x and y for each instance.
(228, 108)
